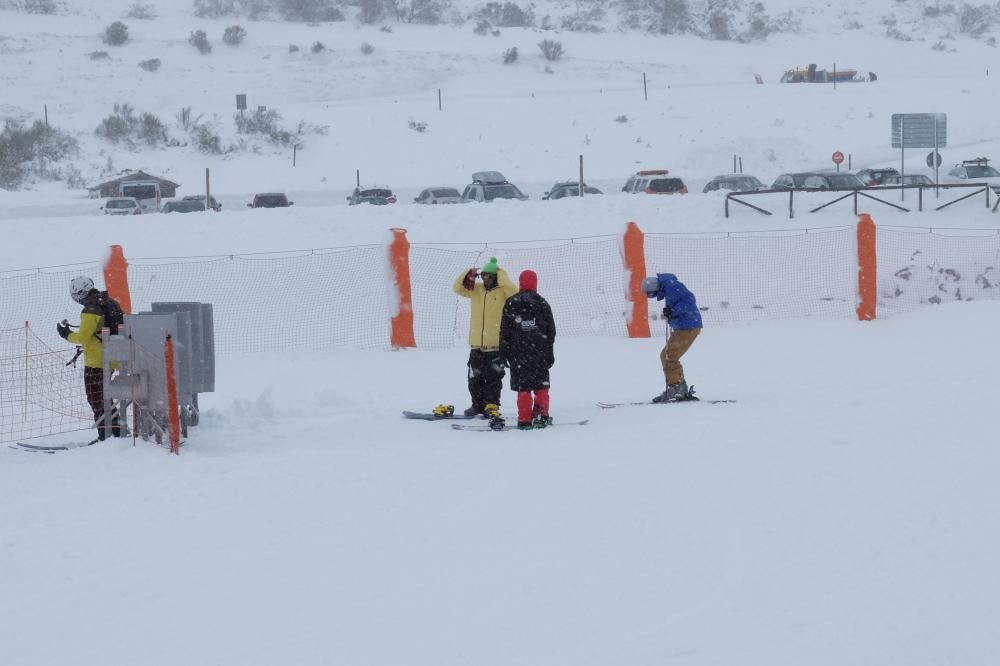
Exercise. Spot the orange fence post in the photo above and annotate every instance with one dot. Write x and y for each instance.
(116, 278)
(402, 319)
(635, 263)
(867, 268)
(173, 411)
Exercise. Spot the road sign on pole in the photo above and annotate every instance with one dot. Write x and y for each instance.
(933, 159)
(838, 158)
(918, 130)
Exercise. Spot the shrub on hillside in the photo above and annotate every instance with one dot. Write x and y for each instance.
(510, 56)
(264, 123)
(115, 34)
(206, 140)
(590, 20)
(482, 28)
(551, 49)
(367, 49)
(759, 24)
(123, 126)
(214, 8)
(150, 65)
(372, 11)
(97, 55)
(199, 40)
(292, 48)
(975, 20)
(234, 35)
(318, 47)
(36, 6)
(31, 150)
(426, 12)
(308, 10)
(141, 11)
(418, 126)
(506, 15)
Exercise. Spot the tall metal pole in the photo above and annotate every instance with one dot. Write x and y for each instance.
(208, 191)
(645, 91)
(581, 176)
(937, 191)
(902, 155)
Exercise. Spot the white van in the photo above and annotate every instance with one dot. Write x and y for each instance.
(146, 192)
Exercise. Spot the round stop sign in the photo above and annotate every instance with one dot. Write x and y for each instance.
(838, 157)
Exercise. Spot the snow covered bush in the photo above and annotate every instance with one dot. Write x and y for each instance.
(367, 48)
(141, 11)
(506, 15)
(97, 55)
(426, 12)
(510, 56)
(292, 48)
(265, 123)
(551, 49)
(25, 151)
(418, 126)
(123, 126)
(234, 35)
(150, 65)
(976, 19)
(371, 12)
(116, 34)
(308, 10)
(318, 47)
(199, 40)
(214, 8)
(482, 27)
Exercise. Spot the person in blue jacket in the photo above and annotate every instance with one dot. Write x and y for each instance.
(684, 321)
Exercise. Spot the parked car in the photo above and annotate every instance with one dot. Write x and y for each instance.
(834, 181)
(875, 175)
(377, 196)
(977, 170)
(439, 195)
(907, 179)
(824, 180)
(212, 201)
(490, 185)
(122, 206)
(569, 188)
(184, 206)
(270, 200)
(654, 181)
(736, 182)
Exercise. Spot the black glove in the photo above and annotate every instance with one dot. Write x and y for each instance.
(469, 282)
(667, 314)
(499, 363)
(62, 328)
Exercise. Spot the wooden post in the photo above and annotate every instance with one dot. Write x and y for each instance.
(439, 100)
(116, 278)
(402, 318)
(46, 115)
(208, 191)
(581, 176)
(867, 268)
(634, 258)
(173, 410)
(645, 92)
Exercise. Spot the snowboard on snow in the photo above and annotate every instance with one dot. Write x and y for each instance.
(430, 416)
(487, 428)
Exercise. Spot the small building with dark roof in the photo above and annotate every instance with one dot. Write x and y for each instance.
(111, 188)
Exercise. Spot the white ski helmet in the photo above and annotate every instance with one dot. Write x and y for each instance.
(651, 285)
(79, 287)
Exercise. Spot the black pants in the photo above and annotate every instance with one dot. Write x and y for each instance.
(485, 382)
(93, 384)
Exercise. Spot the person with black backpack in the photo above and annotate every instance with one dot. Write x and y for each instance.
(99, 311)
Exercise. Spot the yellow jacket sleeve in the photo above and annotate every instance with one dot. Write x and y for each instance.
(89, 325)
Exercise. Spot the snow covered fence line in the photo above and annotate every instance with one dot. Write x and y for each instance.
(356, 297)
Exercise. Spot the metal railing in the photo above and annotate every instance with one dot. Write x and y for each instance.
(867, 193)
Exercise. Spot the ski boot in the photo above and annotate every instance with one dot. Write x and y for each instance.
(472, 411)
(443, 411)
(525, 425)
(492, 412)
(541, 420)
(674, 393)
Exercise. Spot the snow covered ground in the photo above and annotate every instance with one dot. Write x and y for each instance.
(840, 512)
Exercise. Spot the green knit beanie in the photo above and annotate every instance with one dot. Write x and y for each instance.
(491, 266)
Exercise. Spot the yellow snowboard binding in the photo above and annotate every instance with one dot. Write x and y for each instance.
(443, 411)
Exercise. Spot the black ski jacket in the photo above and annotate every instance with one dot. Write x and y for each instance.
(527, 338)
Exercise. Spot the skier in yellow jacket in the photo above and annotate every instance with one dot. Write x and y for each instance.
(486, 367)
(88, 337)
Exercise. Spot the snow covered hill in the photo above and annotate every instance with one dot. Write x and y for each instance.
(839, 513)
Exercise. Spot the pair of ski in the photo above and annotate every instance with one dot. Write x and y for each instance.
(38, 448)
(428, 416)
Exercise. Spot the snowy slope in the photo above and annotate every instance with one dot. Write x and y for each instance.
(839, 512)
